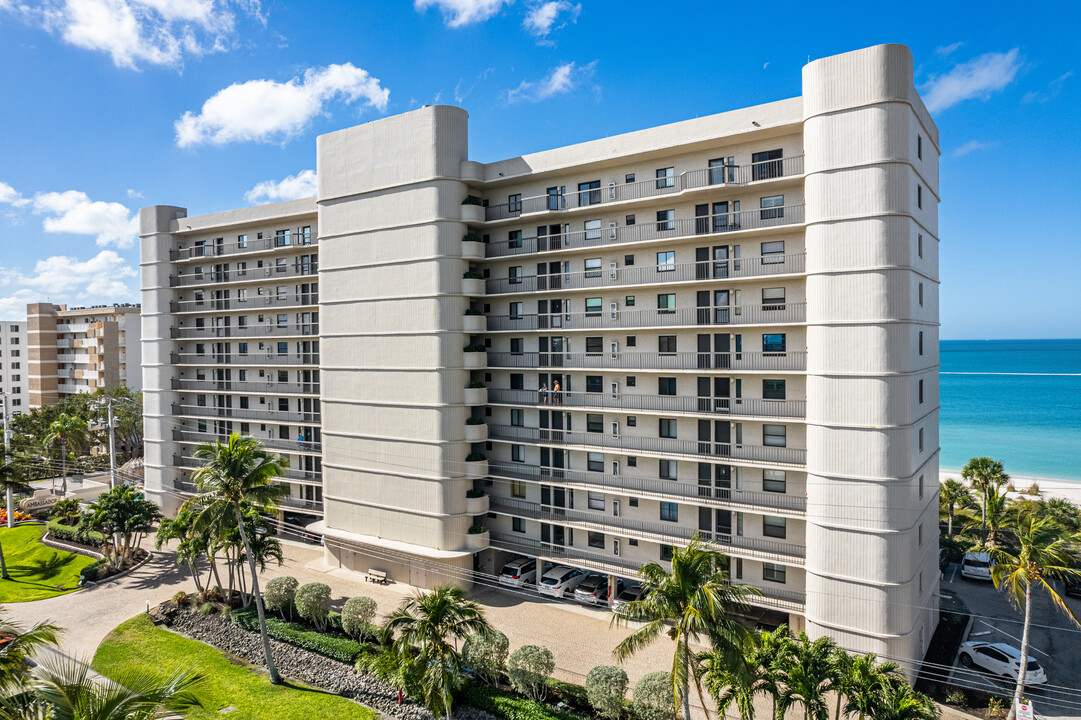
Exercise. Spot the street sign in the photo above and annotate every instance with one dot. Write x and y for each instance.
(38, 504)
(1024, 711)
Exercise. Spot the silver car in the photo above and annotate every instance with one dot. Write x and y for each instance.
(1002, 660)
(560, 581)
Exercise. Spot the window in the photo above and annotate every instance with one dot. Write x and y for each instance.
(632, 421)
(593, 267)
(667, 428)
(593, 307)
(666, 552)
(242, 241)
(669, 511)
(921, 391)
(629, 219)
(629, 177)
(666, 344)
(281, 238)
(516, 311)
(596, 500)
(589, 193)
(516, 345)
(629, 300)
(921, 342)
(632, 341)
(919, 245)
(773, 526)
(243, 402)
(772, 299)
(919, 196)
(594, 383)
(773, 343)
(774, 481)
(666, 303)
(14, 341)
(594, 345)
(242, 348)
(774, 435)
(595, 539)
(766, 164)
(517, 417)
(515, 275)
(514, 203)
(919, 146)
(628, 260)
(594, 423)
(921, 487)
(772, 207)
(631, 381)
(593, 229)
(666, 386)
(15, 353)
(773, 572)
(921, 294)
(595, 462)
(666, 178)
(666, 220)
(773, 252)
(773, 389)
(668, 469)
(514, 239)
(518, 524)
(920, 442)
(517, 454)
(666, 261)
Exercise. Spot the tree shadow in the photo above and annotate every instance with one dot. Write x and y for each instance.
(46, 568)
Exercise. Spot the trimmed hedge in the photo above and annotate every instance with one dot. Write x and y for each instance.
(93, 571)
(333, 647)
(510, 705)
(70, 533)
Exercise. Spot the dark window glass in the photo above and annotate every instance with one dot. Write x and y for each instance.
(773, 389)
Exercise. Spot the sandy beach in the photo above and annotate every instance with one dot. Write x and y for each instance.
(1049, 488)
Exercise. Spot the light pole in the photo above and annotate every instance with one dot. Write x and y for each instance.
(112, 422)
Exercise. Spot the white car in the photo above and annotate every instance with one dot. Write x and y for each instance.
(977, 565)
(1002, 660)
(519, 571)
(560, 581)
(629, 594)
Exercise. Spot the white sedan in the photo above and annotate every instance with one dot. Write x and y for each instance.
(1002, 660)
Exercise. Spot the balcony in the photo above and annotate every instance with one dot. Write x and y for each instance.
(264, 415)
(634, 444)
(613, 276)
(655, 488)
(253, 359)
(217, 277)
(253, 304)
(272, 443)
(719, 177)
(314, 507)
(749, 407)
(246, 386)
(659, 532)
(304, 477)
(781, 313)
(737, 362)
(244, 331)
(299, 240)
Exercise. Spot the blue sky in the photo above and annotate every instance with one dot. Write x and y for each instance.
(212, 104)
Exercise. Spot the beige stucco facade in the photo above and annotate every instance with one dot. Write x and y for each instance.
(741, 312)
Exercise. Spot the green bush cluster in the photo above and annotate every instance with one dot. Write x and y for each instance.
(606, 685)
(333, 647)
(278, 595)
(70, 533)
(485, 653)
(313, 603)
(529, 668)
(357, 615)
(511, 706)
(93, 571)
(653, 697)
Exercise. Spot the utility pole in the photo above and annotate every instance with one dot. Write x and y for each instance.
(7, 449)
(112, 422)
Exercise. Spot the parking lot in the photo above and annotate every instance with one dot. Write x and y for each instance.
(1055, 642)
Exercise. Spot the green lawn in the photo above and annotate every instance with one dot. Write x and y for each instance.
(36, 571)
(138, 643)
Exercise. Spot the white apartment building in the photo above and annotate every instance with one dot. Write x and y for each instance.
(740, 312)
(13, 383)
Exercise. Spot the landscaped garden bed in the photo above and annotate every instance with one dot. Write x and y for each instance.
(37, 571)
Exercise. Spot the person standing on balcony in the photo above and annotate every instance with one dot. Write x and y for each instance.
(543, 393)
(555, 393)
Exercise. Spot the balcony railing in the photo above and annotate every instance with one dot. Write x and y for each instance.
(773, 314)
(660, 532)
(613, 276)
(311, 477)
(726, 176)
(272, 443)
(671, 446)
(265, 415)
(737, 361)
(253, 303)
(255, 358)
(216, 277)
(660, 403)
(246, 386)
(244, 331)
(651, 487)
(298, 240)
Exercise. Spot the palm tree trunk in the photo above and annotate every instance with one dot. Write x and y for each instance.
(1024, 654)
(837, 713)
(686, 680)
(3, 565)
(63, 468)
(194, 576)
(275, 679)
(949, 525)
(983, 518)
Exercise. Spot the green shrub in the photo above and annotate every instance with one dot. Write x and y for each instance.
(66, 512)
(477, 530)
(206, 609)
(957, 697)
(313, 604)
(474, 311)
(476, 383)
(357, 615)
(474, 493)
(71, 533)
(570, 694)
(605, 686)
(334, 647)
(485, 653)
(472, 200)
(278, 595)
(528, 668)
(511, 706)
(472, 237)
(472, 275)
(180, 599)
(334, 621)
(475, 457)
(473, 420)
(475, 347)
(653, 697)
(92, 572)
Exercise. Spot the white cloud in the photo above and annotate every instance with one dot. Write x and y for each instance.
(972, 146)
(63, 278)
(135, 33)
(1052, 90)
(977, 78)
(74, 212)
(10, 196)
(459, 13)
(950, 49)
(134, 194)
(293, 187)
(562, 79)
(270, 111)
(541, 19)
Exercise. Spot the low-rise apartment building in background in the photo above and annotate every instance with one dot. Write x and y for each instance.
(80, 349)
(14, 384)
(727, 326)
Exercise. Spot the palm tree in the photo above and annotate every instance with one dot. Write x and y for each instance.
(12, 480)
(952, 494)
(264, 547)
(983, 473)
(1062, 511)
(995, 512)
(239, 473)
(696, 598)
(67, 430)
(865, 683)
(1045, 554)
(732, 677)
(190, 545)
(423, 623)
(807, 677)
(21, 645)
(901, 702)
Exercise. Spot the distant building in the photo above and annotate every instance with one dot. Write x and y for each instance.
(14, 381)
(81, 349)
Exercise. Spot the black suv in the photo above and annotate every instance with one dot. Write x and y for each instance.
(1073, 585)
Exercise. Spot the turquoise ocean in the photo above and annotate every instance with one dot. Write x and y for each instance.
(1018, 401)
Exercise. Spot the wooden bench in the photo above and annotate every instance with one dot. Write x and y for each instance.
(377, 576)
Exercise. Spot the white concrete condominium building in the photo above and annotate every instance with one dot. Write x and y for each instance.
(724, 326)
(14, 381)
